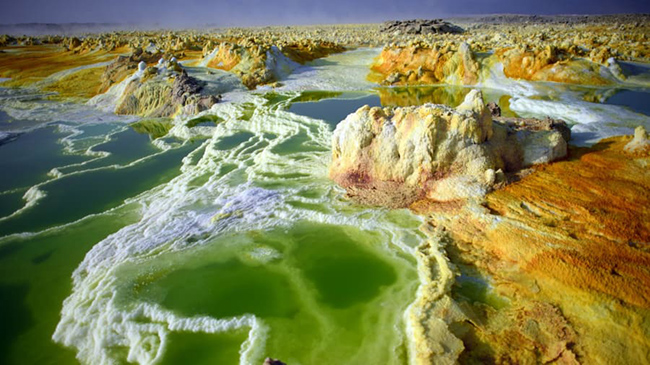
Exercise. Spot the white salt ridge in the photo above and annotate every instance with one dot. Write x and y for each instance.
(592, 121)
(31, 198)
(496, 79)
(151, 48)
(30, 105)
(206, 60)
(341, 71)
(264, 254)
(178, 216)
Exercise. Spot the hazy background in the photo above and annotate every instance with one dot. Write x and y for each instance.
(267, 12)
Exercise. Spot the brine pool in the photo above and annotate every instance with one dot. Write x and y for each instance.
(225, 242)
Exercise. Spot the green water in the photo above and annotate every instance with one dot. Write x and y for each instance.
(333, 110)
(75, 196)
(35, 279)
(204, 348)
(334, 107)
(123, 147)
(35, 271)
(10, 202)
(27, 160)
(320, 292)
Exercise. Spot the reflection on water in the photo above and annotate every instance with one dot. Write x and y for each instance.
(408, 96)
(636, 100)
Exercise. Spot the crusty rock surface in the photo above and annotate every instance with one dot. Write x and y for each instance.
(564, 257)
(420, 26)
(568, 49)
(259, 62)
(124, 66)
(154, 95)
(394, 156)
(640, 144)
(418, 64)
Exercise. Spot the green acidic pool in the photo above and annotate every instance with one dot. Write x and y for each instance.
(324, 291)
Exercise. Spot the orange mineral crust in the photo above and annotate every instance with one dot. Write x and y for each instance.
(572, 237)
(549, 64)
(419, 64)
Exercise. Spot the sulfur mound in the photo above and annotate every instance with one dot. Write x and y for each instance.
(152, 93)
(259, 62)
(394, 156)
(419, 64)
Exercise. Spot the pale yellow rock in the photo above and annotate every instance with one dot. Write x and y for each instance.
(434, 151)
(640, 144)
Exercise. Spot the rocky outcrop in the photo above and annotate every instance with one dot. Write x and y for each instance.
(249, 62)
(417, 64)
(543, 140)
(394, 156)
(6, 40)
(537, 271)
(456, 64)
(420, 26)
(409, 96)
(640, 144)
(154, 95)
(550, 64)
(308, 50)
(258, 62)
(124, 66)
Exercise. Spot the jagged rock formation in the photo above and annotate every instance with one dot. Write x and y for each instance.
(249, 63)
(154, 95)
(124, 66)
(408, 96)
(640, 145)
(6, 40)
(257, 62)
(420, 26)
(550, 64)
(420, 64)
(531, 48)
(417, 64)
(394, 156)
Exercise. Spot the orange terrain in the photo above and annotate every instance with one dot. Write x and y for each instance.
(568, 248)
